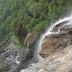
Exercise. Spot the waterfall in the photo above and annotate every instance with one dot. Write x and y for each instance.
(48, 32)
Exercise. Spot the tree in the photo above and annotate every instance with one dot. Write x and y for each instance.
(42, 26)
(31, 25)
(35, 10)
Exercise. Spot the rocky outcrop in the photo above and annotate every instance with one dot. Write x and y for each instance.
(56, 42)
(31, 38)
(12, 57)
(58, 62)
(29, 42)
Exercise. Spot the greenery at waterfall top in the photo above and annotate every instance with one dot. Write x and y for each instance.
(18, 17)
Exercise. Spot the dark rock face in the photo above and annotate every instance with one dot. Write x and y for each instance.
(56, 42)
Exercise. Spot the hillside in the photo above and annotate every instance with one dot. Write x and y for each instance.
(19, 17)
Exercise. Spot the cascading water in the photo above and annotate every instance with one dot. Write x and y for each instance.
(48, 32)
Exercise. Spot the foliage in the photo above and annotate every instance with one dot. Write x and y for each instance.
(18, 17)
(1, 64)
(41, 27)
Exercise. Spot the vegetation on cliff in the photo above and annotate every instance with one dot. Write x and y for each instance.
(18, 17)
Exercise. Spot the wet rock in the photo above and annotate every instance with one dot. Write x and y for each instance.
(31, 38)
(66, 28)
(70, 32)
(58, 26)
(55, 42)
(60, 61)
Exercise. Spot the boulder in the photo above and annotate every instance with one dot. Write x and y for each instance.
(31, 38)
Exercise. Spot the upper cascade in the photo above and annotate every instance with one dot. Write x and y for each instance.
(58, 37)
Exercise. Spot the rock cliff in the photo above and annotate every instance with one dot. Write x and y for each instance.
(56, 41)
(58, 62)
(14, 58)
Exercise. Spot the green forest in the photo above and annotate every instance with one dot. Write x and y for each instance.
(19, 17)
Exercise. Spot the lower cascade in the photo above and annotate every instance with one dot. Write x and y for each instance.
(58, 59)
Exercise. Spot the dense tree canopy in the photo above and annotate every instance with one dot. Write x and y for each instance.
(18, 17)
